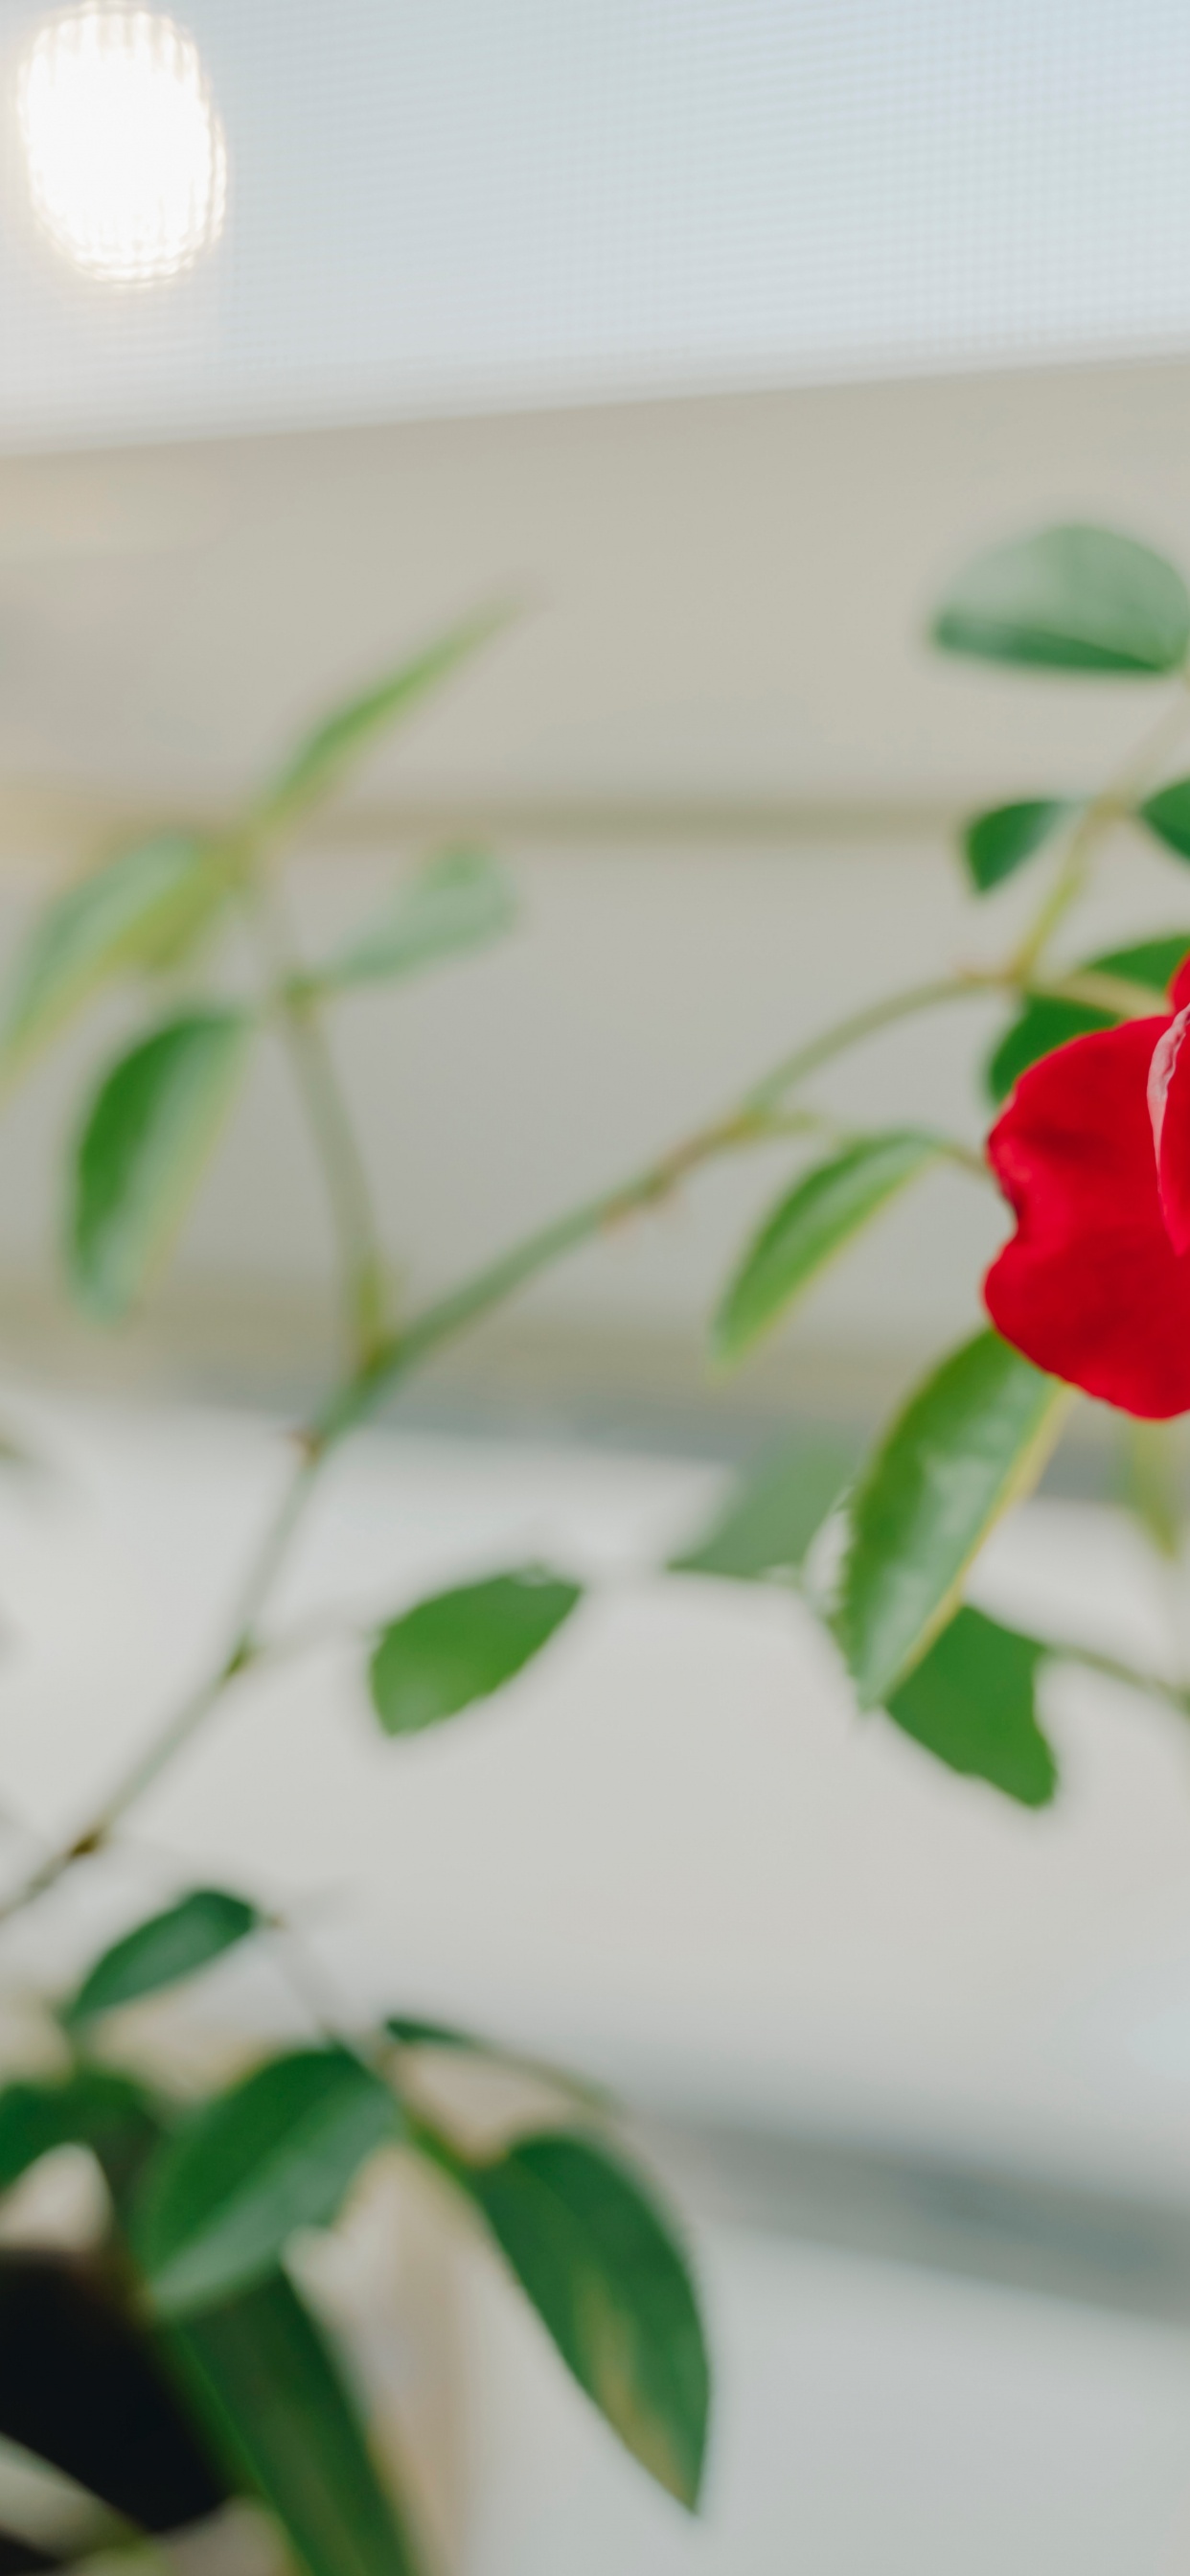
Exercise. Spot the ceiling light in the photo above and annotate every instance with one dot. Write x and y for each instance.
(126, 159)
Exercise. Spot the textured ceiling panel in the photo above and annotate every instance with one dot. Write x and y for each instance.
(554, 201)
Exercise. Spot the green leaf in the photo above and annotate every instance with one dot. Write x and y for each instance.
(971, 1702)
(320, 761)
(972, 1439)
(611, 2286)
(93, 2107)
(772, 1514)
(463, 1645)
(1168, 815)
(996, 844)
(1045, 1023)
(1036, 1031)
(1069, 599)
(265, 2383)
(159, 1952)
(461, 901)
(124, 915)
(186, 934)
(1154, 962)
(410, 2032)
(151, 1126)
(278, 2152)
(808, 1227)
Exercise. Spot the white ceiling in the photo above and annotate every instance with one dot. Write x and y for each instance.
(459, 208)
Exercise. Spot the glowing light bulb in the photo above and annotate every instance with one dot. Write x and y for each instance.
(126, 158)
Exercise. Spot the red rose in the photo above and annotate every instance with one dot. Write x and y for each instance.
(1093, 1155)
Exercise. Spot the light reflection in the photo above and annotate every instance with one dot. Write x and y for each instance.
(126, 158)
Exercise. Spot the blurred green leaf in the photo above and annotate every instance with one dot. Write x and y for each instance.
(808, 1227)
(996, 844)
(409, 2032)
(92, 2107)
(1154, 962)
(611, 2286)
(772, 1514)
(224, 2195)
(1043, 1024)
(971, 1702)
(413, 2033)
(1037, 1030)
(265, 2383)
(1168, 815)
(170, 1946)
(971, 1440)
(1070, 599)
(461, 901)
(123, 915)
(322, 759)
(187, 934)
(151, 1126)
(463, 1645)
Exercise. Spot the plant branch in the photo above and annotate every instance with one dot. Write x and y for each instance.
(1114, 993)
(381, 1359)
(1151, 1685)
(867, 1023)
(365, 1282)
(756, 1119)
(752, 1121)
(297, 1010)
(185, 1720)
(1112, 805)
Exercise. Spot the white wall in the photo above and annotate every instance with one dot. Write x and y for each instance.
(715, 753)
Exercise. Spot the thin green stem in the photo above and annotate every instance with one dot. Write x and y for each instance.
(1112, 805)
(1113, 993)
(966, 1158)
(749, 1123)
(365, 1278)
(185, 1720)
(299, 1016)
(867, 1023)
(1150, 1486)
(319, 1996)
(439, 1323)
(1151, 1685)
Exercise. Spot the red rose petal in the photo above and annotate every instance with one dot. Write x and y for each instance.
(1091, 1287)
(1179, 991)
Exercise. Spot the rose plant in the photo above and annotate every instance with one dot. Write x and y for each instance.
(183, 2363)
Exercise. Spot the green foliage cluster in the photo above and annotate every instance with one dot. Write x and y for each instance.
(207, 2200)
